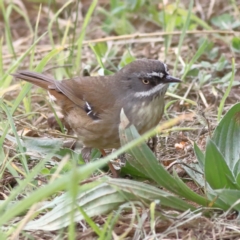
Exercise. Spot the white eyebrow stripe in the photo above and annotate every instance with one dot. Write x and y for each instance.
(156, 74)
(166, 68)
(161, 88)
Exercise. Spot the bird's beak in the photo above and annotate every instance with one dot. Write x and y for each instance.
(171, 79)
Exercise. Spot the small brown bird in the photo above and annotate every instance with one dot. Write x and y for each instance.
(92, 105)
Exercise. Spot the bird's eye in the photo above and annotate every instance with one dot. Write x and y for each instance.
(145, 81)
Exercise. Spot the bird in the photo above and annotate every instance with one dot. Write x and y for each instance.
(91, 105)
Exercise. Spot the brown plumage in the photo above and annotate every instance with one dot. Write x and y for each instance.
(92, 105)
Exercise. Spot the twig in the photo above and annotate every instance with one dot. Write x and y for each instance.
(116, 39)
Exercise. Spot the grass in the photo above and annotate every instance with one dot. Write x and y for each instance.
(40, 178)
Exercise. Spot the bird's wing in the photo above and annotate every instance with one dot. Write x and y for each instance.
(94, 94)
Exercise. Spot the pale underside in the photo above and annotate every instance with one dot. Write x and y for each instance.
(103, 132)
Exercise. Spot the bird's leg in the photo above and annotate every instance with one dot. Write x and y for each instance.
(111, 167)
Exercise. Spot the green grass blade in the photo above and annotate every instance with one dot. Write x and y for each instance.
(22, 185)
(1, 57)
(20, 59)
(54, 19)
(199, 52)
(44, 192)
(91, 223)
(25, 16)
(35, 37)
(220, 109)
(6, 16)
(82, 35)
(11, 122)
(183, 34)
(47, 58)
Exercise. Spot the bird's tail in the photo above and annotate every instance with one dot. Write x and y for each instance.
(38, 79)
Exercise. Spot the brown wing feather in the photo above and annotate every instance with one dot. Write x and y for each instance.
(78, 90)
(94, 90)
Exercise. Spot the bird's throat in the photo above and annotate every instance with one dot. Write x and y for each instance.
(158, 90)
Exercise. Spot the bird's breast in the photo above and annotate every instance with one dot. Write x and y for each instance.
(146, 113)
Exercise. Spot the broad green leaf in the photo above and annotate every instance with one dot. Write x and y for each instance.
(126, 59)
(217, 172)
(230, 197)
(39, 194)
(238, 179)
(236, 44)
(215, 199)
(227, 134)
(222, 21)
(236, 168)
(100, 198)
(150, 193)
(40, 147)
(200, 156)
(146, 162)
(196, 173)
(193, 72)
(100, 49)
(221, 65)
(130, 169)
